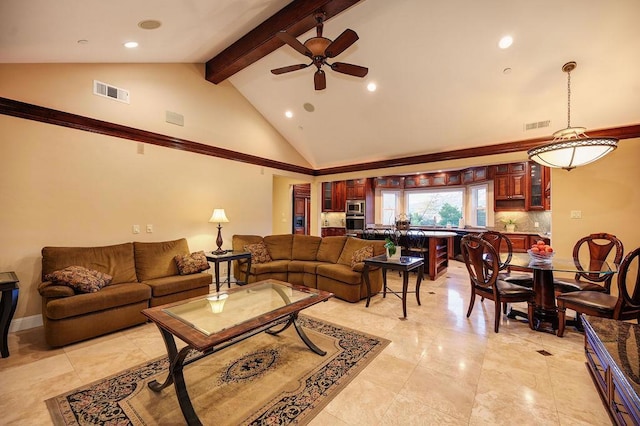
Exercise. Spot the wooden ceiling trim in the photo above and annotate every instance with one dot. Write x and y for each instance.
(624, 132)
(60, 118)
(74, 121)
(296, 18)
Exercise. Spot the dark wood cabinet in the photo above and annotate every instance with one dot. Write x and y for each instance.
(332, 231)
(356, 189)
(390, 182)
(538, 182)
(334, 196)
(522, 242)
(509, 186)
(610, 347)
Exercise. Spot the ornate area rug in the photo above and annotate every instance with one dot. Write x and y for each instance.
(262, 380)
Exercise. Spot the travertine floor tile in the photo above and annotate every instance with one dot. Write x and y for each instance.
(441, 367)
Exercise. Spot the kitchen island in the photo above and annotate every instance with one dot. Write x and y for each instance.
(438, 244)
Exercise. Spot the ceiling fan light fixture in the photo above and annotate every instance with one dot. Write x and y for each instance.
(317, 45)
(571, 147)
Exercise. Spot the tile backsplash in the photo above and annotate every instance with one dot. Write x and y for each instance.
(525, 221)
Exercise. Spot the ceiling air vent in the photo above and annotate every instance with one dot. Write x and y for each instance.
(109, 91)
(536, 125)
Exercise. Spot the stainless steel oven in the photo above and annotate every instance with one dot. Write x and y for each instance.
(355, 207)
(355, 223)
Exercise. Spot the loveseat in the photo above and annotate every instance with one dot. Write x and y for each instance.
(141, 275)
(316, 262)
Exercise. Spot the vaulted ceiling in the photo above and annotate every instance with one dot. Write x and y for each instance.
(442, 81)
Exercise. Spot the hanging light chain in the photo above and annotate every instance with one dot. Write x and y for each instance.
(569, 98)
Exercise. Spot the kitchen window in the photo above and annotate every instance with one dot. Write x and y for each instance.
(439, 207)
(390, 201)
(479, 204)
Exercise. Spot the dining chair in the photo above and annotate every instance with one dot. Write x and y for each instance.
(416, 241)
(624, 306)
(496, 239)
(598, 247)
(483, 265)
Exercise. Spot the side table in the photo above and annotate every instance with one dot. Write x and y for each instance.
(228, 257)
(9, 287)
(405, 265)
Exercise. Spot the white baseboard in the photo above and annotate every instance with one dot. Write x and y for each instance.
(25, 323)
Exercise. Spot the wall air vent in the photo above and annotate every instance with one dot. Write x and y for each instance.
(109, 91)
(536, 125)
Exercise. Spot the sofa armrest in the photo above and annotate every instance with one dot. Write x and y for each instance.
(359, 267)
(51, 290)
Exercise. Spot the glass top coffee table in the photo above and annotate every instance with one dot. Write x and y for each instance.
(211, 323)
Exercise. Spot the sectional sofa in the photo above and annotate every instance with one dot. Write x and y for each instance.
(324, 263)
(140, 275)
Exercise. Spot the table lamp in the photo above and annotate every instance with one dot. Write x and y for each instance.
(218, 216)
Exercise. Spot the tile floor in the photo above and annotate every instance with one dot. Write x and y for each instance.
(441, 368)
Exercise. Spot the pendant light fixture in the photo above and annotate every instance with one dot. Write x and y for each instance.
(571, 147)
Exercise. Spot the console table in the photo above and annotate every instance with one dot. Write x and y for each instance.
(9, 288)
(612, 349)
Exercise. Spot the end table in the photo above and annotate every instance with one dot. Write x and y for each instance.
(228, 257)
(9, 287)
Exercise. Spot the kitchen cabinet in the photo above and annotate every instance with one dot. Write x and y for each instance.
(417, 181)
(396, 182)
(474, 174)
(334, 196)
(356, 189)
(332, 231)
(537, 195)
(509, 186)
(522, 242)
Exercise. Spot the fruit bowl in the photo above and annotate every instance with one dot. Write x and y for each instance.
(541, 257)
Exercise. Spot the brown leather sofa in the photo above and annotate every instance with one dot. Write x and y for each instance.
(144, 275)
(316, 262)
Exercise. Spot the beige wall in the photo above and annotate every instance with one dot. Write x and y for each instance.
(607, 192)
(67, 187)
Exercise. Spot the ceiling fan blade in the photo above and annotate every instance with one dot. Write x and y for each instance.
(289, 68)
(339, 45)
(355, 70)
(294, 42)
(320, 80)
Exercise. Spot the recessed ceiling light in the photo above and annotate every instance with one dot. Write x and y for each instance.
(149, 24)
(371, 87)
(505, 42)
(288, 114)
(131, 44)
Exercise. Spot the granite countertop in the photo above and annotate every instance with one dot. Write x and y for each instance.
(622, 342)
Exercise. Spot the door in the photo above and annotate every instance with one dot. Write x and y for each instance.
(301, 209)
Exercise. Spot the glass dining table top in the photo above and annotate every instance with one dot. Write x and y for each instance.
(560, 264)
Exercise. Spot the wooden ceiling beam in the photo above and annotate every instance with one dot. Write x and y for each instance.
(296, 18)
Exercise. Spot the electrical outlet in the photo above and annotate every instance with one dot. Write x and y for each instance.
(536, 224)
(149, 228)
(135, 229)
(576, 214)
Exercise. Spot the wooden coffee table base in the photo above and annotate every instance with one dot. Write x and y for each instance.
(178, 360)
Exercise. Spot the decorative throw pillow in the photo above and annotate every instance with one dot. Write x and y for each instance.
(80, 278)
(192, 263)
(259, 253)
(360, 255)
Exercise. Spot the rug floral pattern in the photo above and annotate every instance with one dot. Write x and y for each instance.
(100, 403)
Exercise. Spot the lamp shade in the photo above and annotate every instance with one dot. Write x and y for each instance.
(218, 216)
(568, 154)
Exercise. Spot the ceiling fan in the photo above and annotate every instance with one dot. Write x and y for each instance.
(319, 49)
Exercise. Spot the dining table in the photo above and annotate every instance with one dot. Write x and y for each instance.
(546, 310)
